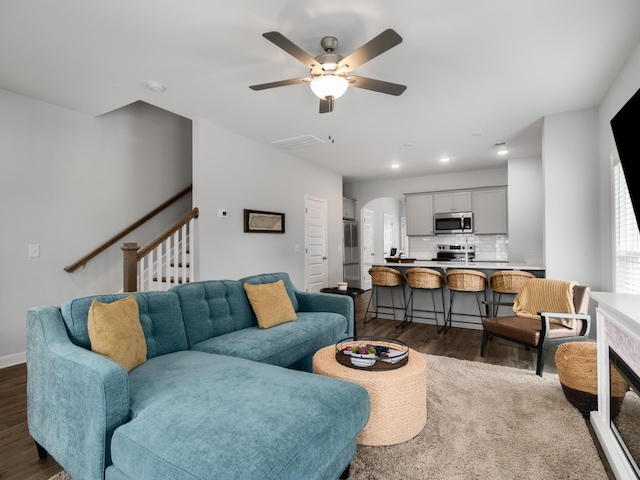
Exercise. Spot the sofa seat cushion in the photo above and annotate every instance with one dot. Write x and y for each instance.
(201, 416)
(527, 330)
(283, 344)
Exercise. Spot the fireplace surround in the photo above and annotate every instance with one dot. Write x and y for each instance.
(618, 331)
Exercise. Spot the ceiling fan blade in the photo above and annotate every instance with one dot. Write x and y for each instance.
(281, 83)
(374, 47)
(326, 105)
(292, 49)
(376, 85)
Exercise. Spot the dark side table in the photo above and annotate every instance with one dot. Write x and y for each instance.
(352, 292)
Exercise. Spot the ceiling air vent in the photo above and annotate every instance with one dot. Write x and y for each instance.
(303, 141)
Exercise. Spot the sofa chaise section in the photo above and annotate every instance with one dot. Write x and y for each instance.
(254, 421)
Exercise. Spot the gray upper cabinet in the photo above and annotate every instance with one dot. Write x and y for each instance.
(490, 211)
(348, 208)
(420, 215)
(447, 202)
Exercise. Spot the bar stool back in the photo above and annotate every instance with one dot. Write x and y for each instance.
(385, 277)
(425, 279)
(468, 281)
(507, 281)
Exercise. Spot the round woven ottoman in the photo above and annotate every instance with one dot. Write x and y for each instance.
(398, 397)
(578, 374)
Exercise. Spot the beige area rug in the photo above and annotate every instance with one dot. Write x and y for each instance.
(488, 422)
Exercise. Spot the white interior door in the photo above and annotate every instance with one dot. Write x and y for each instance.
(368, 251)
(315, 228)
(388, 234)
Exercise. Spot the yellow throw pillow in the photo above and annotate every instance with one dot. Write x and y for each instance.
(270, 303)
(115, 331)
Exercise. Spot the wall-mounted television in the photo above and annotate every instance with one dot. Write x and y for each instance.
(626, 132)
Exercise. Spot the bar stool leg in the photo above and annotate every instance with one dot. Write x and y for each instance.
(482, 317)
(373, 292)
(404, 298)
(408, 317)
(444, 315)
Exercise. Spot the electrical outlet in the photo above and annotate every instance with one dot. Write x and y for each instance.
(222, 213)
(34, 251)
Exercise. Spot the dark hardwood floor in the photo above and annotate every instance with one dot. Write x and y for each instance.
(19, 458)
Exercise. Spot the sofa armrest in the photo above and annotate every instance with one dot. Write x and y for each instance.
(75, 398)
(326, 302)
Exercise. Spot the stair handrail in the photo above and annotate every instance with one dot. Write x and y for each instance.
(167, 233)
(81, 262)
(131, 255)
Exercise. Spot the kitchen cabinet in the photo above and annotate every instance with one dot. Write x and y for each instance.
(348, 208)
(490, 211)
(420, 215)
(447, 202)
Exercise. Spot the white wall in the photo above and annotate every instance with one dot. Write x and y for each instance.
(622, 89)
(68, 182)
(526, 214)
(234, 173)
(571, 197)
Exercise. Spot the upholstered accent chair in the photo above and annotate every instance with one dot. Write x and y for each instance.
(546, 326)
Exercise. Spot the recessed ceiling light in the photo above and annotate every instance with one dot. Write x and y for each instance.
(155, 86)
(395, 165)
(445, 159)
(408, 144)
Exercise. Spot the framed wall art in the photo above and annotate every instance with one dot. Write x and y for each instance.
(257, 221)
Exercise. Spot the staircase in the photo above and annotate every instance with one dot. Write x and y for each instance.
(165, 262)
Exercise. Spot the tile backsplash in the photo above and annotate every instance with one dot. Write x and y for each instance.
(488, 247)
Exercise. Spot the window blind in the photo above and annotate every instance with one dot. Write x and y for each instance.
(627, 264)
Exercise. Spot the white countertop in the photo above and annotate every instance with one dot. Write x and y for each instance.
(481, 265)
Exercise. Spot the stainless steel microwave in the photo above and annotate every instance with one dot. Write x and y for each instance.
(454, 222)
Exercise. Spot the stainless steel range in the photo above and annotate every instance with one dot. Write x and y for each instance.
(454, 253)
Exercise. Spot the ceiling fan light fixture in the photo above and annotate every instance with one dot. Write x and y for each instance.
(329, 86)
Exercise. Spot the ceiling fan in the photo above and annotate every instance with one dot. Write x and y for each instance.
(330, 73)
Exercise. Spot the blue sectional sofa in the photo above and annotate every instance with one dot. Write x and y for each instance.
(212, 400)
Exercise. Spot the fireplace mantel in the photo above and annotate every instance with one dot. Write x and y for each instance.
(618, 327)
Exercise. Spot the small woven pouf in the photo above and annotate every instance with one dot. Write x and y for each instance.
(398, 398)
(578, 374)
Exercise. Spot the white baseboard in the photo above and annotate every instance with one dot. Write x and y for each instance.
(11, 360)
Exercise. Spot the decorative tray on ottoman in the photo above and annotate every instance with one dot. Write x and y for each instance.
(372, 353)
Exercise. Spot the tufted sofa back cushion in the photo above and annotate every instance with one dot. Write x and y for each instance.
(160, 317)
(214, 307)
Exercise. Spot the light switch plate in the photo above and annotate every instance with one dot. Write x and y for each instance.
(34, 251)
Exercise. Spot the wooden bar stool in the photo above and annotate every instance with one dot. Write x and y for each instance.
(469, 281)
(425, 279)
(385, 277)
(506, 281)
